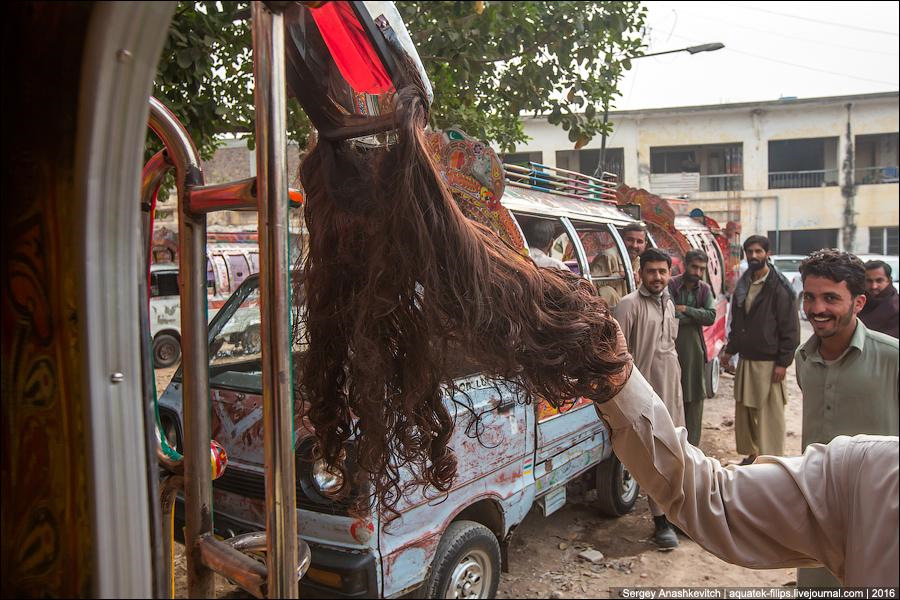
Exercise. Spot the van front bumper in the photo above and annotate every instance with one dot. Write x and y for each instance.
(332, 573)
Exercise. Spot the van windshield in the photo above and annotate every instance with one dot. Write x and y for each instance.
(163, 284)
(235, 342)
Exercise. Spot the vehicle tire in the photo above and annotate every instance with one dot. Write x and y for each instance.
(252, 340)
(466, 564)
(713, 370)
(617, 491)
(166, 350)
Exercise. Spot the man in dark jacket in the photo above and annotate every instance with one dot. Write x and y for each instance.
(882, 301)
(765, 332)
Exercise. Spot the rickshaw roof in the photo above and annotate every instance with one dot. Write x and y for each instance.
(557, 205)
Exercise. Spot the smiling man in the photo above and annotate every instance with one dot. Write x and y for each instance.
(847, 372)
(648, 322)
(634, 236)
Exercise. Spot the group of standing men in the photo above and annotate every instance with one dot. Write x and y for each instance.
(847, 372)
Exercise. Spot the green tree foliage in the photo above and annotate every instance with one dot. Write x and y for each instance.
(205, 75)
(488, 62)
(562, 59)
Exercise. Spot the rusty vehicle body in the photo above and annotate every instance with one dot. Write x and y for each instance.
(512, 456)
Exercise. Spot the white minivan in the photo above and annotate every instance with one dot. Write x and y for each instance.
(227, 266)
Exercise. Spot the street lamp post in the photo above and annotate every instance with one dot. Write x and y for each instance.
(711, 47)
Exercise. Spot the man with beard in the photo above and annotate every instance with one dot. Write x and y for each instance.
(694, 309)
(847, 372)
(765, 331)
(634, 236)
(647, 319)
(882, 301)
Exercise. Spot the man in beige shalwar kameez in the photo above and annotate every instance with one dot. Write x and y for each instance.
(647, 318)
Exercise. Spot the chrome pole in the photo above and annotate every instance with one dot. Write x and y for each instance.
(153, 173)
(272, 193)
(192, 270)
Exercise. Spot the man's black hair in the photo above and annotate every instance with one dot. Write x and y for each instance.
(837, 266)
(879, 264)
(695, 255)
(759, 240)
(635, 227)
(655, 255)
(539, 233)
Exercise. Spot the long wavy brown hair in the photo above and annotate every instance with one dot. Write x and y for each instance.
(398, 282)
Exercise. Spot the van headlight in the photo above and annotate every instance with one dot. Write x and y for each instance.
(328, 481)
(319, 482)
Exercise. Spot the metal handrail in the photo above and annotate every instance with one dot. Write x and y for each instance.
(562, 182)
(803, 179)
(194, 347)
(877, 175)
(810, 171)
(267, 24)
(729, 182)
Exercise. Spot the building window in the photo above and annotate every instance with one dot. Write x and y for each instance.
(673, 160)
(586, 161)
(876, 159)
(522, 158)
(686, 170)
(803, 163)
(802, 241)
(883, 240)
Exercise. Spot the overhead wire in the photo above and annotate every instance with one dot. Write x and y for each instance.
(811, 20)
(828, 43)
(788, 63)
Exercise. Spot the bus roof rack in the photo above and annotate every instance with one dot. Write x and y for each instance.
(562, 182)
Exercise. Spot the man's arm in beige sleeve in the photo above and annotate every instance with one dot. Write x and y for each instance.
(782, 513)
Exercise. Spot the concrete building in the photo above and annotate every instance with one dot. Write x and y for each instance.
(808, 173)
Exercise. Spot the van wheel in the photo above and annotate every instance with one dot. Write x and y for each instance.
(166, 350)
(713, 369)
(617, 491)
(466, 564)
(252, 340)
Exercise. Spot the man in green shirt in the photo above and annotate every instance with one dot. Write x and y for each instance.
(694, 309)
(847, 372)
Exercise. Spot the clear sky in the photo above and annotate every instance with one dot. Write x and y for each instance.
(772, 49)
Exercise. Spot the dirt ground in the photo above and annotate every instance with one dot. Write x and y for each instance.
(543, 555)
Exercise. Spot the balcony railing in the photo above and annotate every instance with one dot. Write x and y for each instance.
(728, 182)
(870, 175)
(802, 179)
